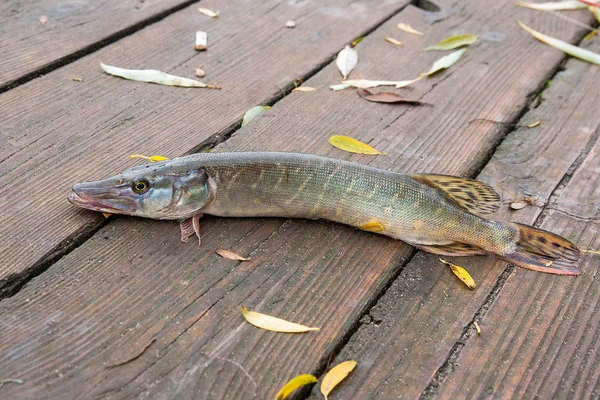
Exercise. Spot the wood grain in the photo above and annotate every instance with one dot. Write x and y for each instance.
(27, 45)
(410, 331)
(541, 334)
(134, 281)
(56, 131)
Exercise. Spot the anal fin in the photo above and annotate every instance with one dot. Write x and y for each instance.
(474, 196)
(451, 249)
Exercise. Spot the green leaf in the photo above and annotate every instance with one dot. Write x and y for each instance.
(568, 48)
(445, 62)
(453, 42)
(253, 113)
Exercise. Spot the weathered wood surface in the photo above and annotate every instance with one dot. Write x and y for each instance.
(56, 131)
(133, 282)
(72, 26)
(540, 336)
(409, 332)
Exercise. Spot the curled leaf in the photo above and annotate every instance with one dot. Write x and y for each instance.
(230, 255)
(253, 113)
(209, 13)
(274, 324)
(461, 273)
(154, 76)
(346, 60)
(407, 28)
(394, 41)
(553, 6)
(335, 376)
(295, 383)
(453, 42)
(568, 48)
(352, 145)
(151, 158)
(304, 89)
(385, 97)
(445, 62)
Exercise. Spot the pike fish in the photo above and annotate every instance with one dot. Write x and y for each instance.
(439, 214)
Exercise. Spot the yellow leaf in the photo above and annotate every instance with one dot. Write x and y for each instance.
(295, 383)
(453, 42)
(352, 145)
(304, 89)
(394, 41)
(335, 376)
(461, 273)
(372, 226)
(151, 158)
(209, 13)
(356, 41)
(274, 324)
(409, 29)
(231, 256)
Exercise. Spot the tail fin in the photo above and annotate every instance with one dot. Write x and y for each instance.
(543, 251)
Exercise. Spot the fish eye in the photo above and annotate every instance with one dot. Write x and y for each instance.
(140, 186)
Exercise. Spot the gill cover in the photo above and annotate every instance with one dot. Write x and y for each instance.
(192, 190)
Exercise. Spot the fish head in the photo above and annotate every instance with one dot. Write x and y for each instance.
(165, 190)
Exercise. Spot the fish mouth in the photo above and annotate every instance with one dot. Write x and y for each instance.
(81, 200)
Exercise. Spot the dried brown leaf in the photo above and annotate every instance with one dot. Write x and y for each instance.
(230, 255)
(386, 97)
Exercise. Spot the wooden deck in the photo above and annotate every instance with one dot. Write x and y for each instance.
(120, 308)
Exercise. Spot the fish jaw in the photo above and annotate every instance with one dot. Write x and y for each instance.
(103, 196)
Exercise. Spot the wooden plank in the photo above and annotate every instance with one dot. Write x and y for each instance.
(410, 331)
(108, 304)
(57, 131)
(540, 336)
(72, 27)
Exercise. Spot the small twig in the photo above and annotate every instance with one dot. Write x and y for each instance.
(10, 380)
(134, 357)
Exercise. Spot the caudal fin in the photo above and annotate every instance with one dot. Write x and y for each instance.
(543, 251)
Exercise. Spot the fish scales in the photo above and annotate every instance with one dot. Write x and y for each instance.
(435, 213)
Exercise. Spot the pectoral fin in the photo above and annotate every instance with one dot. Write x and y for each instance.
(474, 196)
(451, 249)
(189, 227)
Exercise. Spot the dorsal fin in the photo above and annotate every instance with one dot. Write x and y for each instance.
(474, 196)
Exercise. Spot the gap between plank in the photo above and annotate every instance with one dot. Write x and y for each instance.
(13, 284)
(448, 366)
(93, 47)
